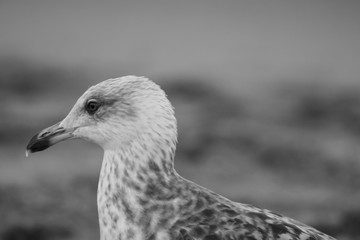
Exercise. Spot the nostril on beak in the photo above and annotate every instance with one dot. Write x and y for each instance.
(44, 134)
(48, 132)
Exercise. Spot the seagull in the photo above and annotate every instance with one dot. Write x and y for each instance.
(140, 195)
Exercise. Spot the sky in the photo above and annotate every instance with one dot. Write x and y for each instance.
(238, 42)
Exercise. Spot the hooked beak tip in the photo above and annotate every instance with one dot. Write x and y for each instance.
(27, 152)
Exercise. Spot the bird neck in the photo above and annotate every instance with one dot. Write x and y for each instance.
(131, 180)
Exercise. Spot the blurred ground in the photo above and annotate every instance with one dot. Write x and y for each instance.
(292, 149)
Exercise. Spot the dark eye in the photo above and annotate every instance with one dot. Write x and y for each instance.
(92, 106)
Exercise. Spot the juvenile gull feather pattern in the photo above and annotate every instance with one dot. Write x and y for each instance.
(140, 195)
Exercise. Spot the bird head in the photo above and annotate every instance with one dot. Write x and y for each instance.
(113, 114)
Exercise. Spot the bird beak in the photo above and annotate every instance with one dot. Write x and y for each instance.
(48, 137)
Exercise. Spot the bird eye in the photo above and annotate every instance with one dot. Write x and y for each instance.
(92, 106)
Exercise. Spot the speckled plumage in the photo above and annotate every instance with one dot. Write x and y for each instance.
(140, 195)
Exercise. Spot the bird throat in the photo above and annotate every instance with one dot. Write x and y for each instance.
(135, 184)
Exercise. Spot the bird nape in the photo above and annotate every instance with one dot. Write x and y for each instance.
(140, 195)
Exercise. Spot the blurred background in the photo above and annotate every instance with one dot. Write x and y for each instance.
(267, 96)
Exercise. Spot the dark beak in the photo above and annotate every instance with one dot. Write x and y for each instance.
(48, 137)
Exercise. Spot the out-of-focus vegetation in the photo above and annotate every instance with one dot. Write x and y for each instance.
(294, 151)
